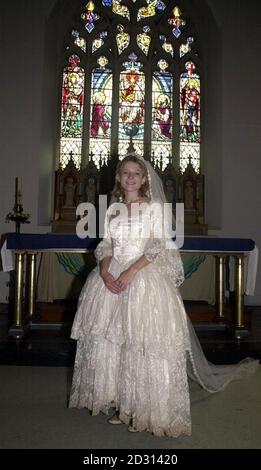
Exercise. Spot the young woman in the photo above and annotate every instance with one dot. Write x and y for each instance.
(135, 345)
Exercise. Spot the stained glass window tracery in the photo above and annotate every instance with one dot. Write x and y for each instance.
(145, 106)
(153, 6)
(143, 41)
(78, 40)
(185, 48)
(176, 22)
(99, 41)
(89, 17)
(122, 39)
(120, 9)
(166, 46)
(117, 7)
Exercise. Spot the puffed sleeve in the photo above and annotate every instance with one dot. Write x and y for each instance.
(161, 250)
(104, 248)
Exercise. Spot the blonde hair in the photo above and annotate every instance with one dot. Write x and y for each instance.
(117, 190)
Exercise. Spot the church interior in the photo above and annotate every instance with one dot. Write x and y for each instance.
(83, 84)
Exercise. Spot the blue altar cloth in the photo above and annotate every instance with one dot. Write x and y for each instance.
(32, 241)
(48, 241)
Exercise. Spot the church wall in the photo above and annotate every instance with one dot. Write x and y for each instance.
(21, 109)
(31, 40)
(240, 194)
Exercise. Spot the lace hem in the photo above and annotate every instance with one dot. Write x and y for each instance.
(176, 429)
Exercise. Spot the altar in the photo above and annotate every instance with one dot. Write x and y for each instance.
(26, 247)
(61, 276)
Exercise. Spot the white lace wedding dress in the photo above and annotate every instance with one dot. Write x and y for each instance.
(136, 350)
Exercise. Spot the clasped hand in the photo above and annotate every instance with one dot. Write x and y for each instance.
(116, 286)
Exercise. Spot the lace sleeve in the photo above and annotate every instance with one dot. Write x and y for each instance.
(162, 251)
(104, 248)
(156, 243)
(153, 249)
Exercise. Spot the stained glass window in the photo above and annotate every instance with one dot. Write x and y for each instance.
(131, 105)
(100, 120)
(72, 112)
(99, 41)
(143, 40)
(78, 40)
(122, 39)
(153, 6)
(162, 91)
(166, 46)
(189, 117)
(117, 7)
(176, 22)
(141, 87)
(89, 17)
(185, 48)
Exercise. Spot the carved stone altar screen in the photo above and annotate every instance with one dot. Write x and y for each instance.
(73, 186)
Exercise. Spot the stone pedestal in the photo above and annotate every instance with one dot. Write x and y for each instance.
(67, 222)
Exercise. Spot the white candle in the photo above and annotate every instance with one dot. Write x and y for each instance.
(18, 183)
(18, 190)
(19, 197)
